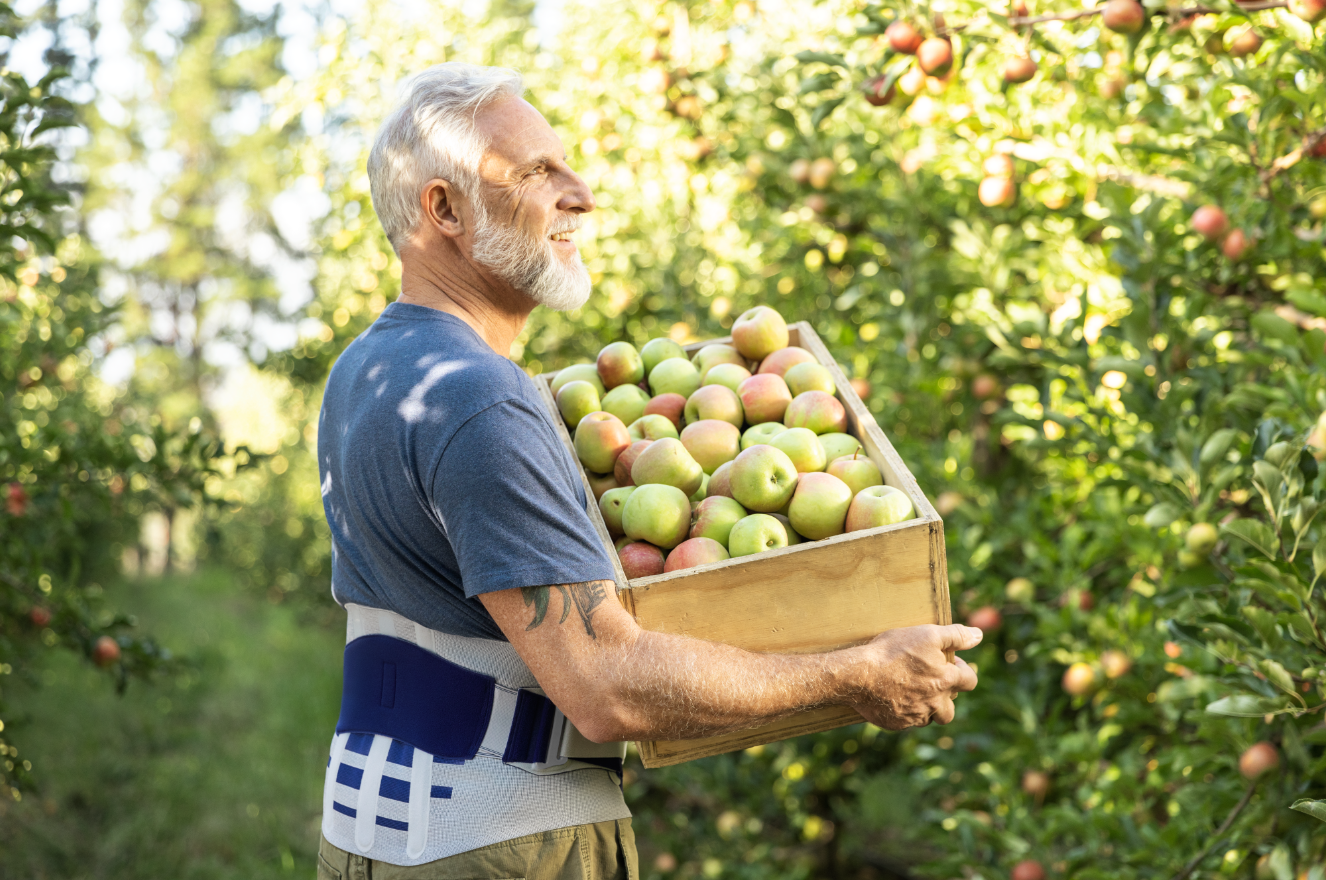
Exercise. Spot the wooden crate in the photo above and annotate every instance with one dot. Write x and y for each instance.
(812, 597)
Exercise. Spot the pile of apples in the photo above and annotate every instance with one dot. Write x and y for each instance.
(741, 449)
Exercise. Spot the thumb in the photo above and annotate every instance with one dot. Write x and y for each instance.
(957, 637)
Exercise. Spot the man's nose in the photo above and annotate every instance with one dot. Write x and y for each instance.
(577, 198)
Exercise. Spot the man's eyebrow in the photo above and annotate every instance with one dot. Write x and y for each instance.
(546, 159)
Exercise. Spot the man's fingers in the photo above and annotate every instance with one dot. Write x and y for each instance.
(956, 637)
(944, 714)
(963, 677)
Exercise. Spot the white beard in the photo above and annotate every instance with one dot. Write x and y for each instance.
(530, 264)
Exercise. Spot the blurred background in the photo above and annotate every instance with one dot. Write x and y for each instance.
(1107, 398)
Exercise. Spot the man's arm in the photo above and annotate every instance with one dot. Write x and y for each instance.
(616, 681)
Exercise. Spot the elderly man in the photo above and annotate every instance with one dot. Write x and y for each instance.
(491, 677)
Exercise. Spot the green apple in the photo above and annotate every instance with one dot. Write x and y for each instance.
(611, 505)
(819, 506)
(651, 427)
(699, 494)
(656, 351)
(728, 375)
(763, 478)
(714, 518)
(761, 433)
(577, 373)
(809, 377)
(600, 438)
(764, 398)
(714, 402)
(714, 354)
(620, 543)
(670, 406)
(837, 445)
(621, 469)
(759, 332)
(784, 359)
(577, 399)
(755, 534)
(720, 482)
(626, 402)
(667, 462)
(792, 536)
(693, 552)
(674, 376)
(856, 471)
(620, 364)
(658, 514)
(877, 506)
(640, 559)
(711, 443)
(820, 412)
(803, 447)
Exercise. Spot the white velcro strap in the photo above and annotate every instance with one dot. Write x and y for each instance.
(366, 811)
(421, 790)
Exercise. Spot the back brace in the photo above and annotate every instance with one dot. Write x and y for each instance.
(451, 709)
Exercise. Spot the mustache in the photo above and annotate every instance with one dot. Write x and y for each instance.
(571, 224)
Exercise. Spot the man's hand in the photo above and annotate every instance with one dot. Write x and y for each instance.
(907, 679)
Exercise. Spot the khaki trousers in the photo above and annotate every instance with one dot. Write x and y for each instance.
(600, 851)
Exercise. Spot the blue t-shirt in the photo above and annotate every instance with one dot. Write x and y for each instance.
(443, 476)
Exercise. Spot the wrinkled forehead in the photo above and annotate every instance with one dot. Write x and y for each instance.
(518, 137)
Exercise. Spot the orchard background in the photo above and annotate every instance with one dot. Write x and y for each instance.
(1077, 366)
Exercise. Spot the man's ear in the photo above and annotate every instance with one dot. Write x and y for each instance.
(441, 212)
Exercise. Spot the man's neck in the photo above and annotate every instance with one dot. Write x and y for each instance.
(496, 312)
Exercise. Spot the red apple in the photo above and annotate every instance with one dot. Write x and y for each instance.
(1209, 222)
(1247, 42)
(999, 165)
(986, 618)
(935, 56)
(622, 468)
(1311, 11)
(1235, 245)
(640, 559)
(861, 387)
(1123, 16)
(903, 37)
(984, 386)
(693, 552)
(879, 91)
(40, 617)
(600, 438)
(1115, 664)
(764, 398)
(1027, 870)
(600, 483)
(1258, 759)
(1018, 70)
(817, 410)
(670, 406)
(784, 359)
(1079, 679)
(16, 499)
(106, 651)
(759, 332)
(620, 364)
(997, 192)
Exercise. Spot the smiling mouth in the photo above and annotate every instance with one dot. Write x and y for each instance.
(561, 236)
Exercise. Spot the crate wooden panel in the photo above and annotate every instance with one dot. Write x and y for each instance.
(815, 596)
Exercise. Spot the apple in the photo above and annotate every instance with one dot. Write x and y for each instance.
(1036, 783)
(912, 81)
(1258, 759)
(1115, 664)
(1235, 245)
(935, 56)
(621, 469)
(716, 353)
(611, 505)
(658, 514)
(876, 506)
(1246, 43)
(986, 618)
(720, 481)
(764, 398)
(857, 471)
(763, 478)
(984, 386)
(667, 462)
(600, 438)
(656, 351)
(819, 505)
(620, 364)
(626, 402)
(577, 399)
(1210, 222)
(760, 331)
(693, 552)
(879, 92)
(715, 516)
(40, 617)
(1201, 538)
(755, 534)
(799, 171)
(640, 559)
(1079, 679)
(837, 445)
(998, 192)
(999, 165)
(820, 412)
(701, 493)
(600, 483)
(711, 442)
(674, 376)
(1311, 11)
(1173, 650)
(1123, 16)
(784, 359)
(728, 375)
(670, 406)
(620, 543)
(1020, 589)
(792, 537)
(577, 373)
(1018, 70)
(809, 377)
(105, 651)
(714, 402)
(803, 448)
(821, 173)
(1027, 870)
(761, 433)
(653, 427)
(903, 37)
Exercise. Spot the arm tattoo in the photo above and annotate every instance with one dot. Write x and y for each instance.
(586, 597)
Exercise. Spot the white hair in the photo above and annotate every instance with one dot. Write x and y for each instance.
(433, 134)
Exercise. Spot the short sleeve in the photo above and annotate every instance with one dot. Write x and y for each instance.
(512, 505)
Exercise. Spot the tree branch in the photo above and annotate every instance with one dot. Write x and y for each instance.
(1215, 838)
(1017, 21)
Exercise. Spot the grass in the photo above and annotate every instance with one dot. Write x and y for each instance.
(215, 775)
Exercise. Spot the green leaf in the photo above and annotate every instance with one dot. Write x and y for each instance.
(821, 57)
(819, 82)
(1217, 445)
(1315, 809)
(1249, 706)
(1161, 515)
(822, 112)
(1276, 675)
(1255, 532)
(1269, 325)
(1319, 557)
(1308, 300)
